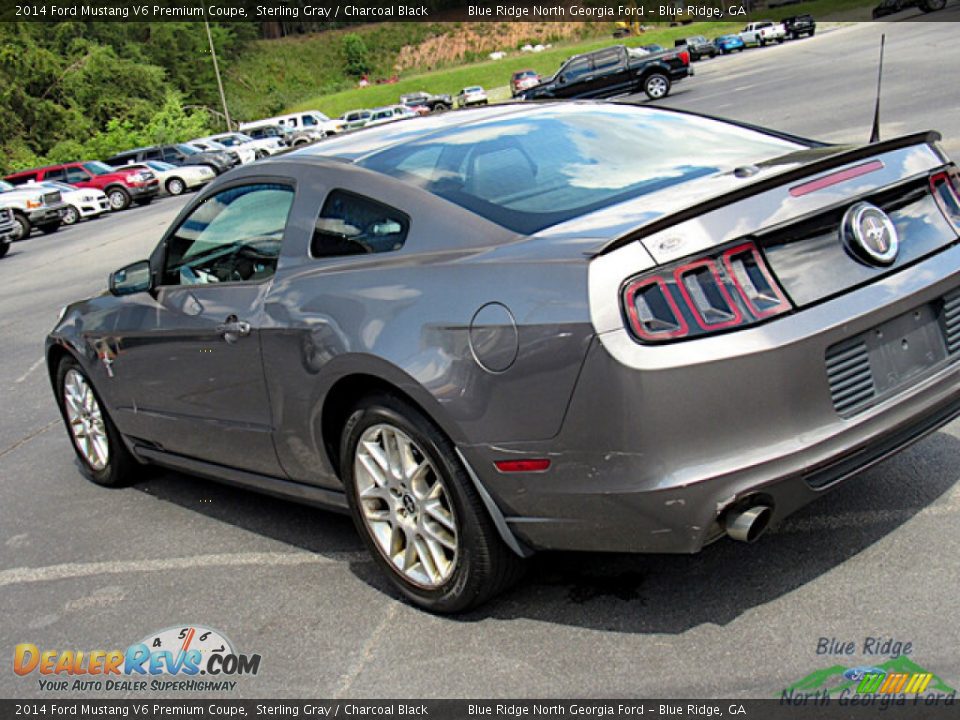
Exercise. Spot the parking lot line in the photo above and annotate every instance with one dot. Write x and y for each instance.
(19, 576)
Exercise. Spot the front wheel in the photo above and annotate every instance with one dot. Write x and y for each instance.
(418, 511)
(71, 216)
(928, 6)
(118, 198)
(656, 86)
(4, 247)
(176, 186)
(22, 227)
(103, 457)
(49, 228)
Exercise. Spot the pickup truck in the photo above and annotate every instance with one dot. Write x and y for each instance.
(800, 25)
(433, 103)
(8, 229)
(33, 207)
(763, 32)
(615, 70)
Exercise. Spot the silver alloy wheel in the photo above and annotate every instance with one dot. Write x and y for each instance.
(175, 186)
(657, 86)
(118, 199)
(405, 506)
(70, 215)
(86, 420)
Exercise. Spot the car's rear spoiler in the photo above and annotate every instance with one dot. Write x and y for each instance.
(828, 162)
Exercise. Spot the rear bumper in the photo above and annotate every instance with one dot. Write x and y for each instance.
(652, 453)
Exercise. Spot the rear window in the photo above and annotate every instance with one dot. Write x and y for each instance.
(529, 171)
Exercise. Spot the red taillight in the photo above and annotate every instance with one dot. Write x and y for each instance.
(684, 57)
(945, 187)
(532, 465)
(728, 290)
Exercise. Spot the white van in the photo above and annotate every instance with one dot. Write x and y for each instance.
(310, 120)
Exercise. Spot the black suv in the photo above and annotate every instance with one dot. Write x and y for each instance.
(179, 154)
(698, 46)
(799, 25)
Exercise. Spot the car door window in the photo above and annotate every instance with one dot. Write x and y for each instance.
(606, 60)
(168, 154)
(59, 175)
(75, 175)
(576, 69)
(350, 224)
(233, 236)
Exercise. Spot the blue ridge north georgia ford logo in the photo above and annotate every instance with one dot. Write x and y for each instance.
(870, 235)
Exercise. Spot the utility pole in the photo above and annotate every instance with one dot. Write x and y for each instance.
(216, 69)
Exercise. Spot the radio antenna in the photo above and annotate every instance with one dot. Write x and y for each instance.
(875, 132)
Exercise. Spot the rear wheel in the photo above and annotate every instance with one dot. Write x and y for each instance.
(656, 86)
(176, 186)
(103, 456)
(118, 198)
(418, 511)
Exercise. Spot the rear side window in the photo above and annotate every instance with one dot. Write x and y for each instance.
(350, 224)
(22, 179)
(606, 59)
(56, 174)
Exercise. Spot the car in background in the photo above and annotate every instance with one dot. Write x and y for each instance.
(800, 25)
(389, 114)
(81, 203)
(434, 103)
(550, 327)
(523, 80)
(470, 96)
(177, 179)
(176, 154)
(356, 119)
(32, 207)
(123, 187)
(289, 136)
(615, 70)
(237, 155)
(698, 46)
(312, 120)
(264, 132)
(8, 229)
(729, 43)
(261, 148)
(763, 32)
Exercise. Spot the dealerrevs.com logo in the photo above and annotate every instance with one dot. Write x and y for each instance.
(184, 658)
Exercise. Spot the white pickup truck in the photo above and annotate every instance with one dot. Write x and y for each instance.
(763, 32)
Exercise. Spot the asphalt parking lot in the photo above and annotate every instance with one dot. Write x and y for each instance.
(82, 567)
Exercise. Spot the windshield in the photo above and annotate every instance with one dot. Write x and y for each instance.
(99, 168)
(187, 150)
(5, 186)
(532, 170)
(158, 165)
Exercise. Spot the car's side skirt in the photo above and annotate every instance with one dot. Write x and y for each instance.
(278, 487)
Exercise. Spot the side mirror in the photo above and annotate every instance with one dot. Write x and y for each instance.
(131, 279)
(562, 79)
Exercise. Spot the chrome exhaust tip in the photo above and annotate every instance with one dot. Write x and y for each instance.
(748, 525)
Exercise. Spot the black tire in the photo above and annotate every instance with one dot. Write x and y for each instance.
(485, 566)
(121, 465)
(812, 33)
(71, 216)
(656, 86)
(4, 248)
(929, 6)
(23, 227)
(176, 186)
(763, 43)
(49, 228)
(118, 198)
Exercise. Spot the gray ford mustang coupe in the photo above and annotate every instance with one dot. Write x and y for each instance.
(581, 326)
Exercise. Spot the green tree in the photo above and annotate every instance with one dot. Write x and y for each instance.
(356, 54)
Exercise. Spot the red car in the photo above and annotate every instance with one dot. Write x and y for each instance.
(121, 185)
(523, 80)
